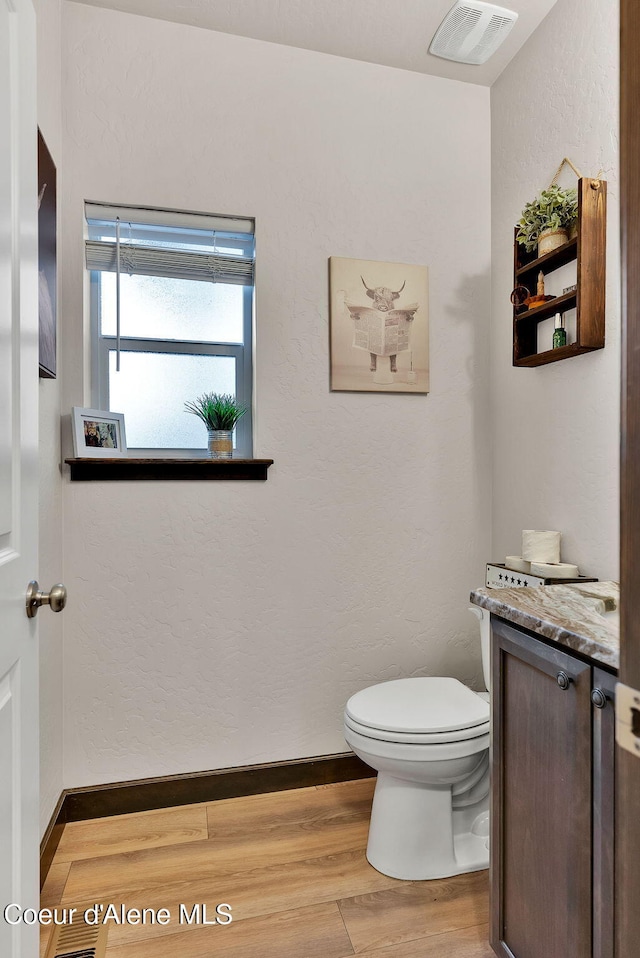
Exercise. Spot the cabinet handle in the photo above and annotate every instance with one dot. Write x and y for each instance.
(563, 680)
(599, 698)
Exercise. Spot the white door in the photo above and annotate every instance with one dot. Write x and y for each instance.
(19, 837)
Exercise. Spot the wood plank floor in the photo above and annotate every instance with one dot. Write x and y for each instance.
(290, 864)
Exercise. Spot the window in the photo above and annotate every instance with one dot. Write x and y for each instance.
(171, 313)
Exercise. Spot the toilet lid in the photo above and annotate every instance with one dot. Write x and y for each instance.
(418, 705)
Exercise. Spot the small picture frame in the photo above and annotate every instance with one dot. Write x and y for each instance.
(98, 434)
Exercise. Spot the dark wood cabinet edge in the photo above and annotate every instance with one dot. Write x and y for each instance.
(496, 836)
(501, 949)
(143, 795)
(126, 469)
(603, 863)
(581, 656)
(627, 850)
(513, 634)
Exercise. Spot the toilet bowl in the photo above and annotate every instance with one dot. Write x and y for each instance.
(428, 739)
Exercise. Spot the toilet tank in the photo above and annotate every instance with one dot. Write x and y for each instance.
(484, 621)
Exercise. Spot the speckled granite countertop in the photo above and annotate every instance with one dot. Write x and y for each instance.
(580, 617)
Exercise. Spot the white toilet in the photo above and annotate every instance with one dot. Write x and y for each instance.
(428, 738)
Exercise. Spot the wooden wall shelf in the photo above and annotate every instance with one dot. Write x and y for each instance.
(126, 469)
(588, 249)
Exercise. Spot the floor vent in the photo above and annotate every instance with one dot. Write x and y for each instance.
(78, 941)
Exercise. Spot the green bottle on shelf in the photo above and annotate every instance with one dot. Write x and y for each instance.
(559, 333)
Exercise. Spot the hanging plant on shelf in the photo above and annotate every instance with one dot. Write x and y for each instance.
(547, 220)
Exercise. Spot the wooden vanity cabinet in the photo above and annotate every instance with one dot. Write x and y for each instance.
(552, 759)
(604, 751)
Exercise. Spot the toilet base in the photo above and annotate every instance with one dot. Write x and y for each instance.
(411, 834)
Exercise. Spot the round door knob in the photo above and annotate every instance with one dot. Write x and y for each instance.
(563, 681)
(56, 598)
(599, 698)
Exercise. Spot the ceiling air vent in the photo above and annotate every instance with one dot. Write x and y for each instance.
(472, 31)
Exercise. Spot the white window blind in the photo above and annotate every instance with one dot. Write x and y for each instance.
(165, 243)
(147, 261)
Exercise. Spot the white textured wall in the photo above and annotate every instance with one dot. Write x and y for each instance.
(50, 486)
(217, 624)
(556, 428)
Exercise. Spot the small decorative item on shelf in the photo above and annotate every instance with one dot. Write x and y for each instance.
(219, 412)
(546, 221)
(519, 296)
(559, 332)
(532, 301)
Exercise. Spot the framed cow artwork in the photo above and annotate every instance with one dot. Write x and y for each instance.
(379, 320)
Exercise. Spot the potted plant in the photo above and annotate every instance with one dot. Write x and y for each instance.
(546, 221)
(219, 412)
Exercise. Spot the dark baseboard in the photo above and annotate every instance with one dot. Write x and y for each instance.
(143, 795)
(51, 838)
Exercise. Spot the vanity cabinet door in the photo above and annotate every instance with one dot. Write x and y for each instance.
(541, 868)
(603, 701)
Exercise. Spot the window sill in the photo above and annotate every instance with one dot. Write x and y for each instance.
(126, 469)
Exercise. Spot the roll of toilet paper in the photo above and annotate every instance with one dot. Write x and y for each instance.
(517, 564)
(554, 570)
(540, 546)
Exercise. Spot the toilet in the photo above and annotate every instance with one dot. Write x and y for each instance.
(428, 739)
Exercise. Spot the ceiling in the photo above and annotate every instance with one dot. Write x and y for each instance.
(394, 33)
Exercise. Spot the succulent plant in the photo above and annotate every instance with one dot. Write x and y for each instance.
(554, 209)
(216, 410)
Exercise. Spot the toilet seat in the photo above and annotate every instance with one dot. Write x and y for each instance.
(417, 738)
(424, 710)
